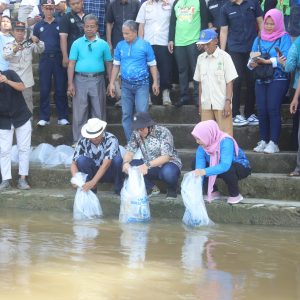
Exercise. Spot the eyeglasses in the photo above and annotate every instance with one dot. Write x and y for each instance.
(90, 47)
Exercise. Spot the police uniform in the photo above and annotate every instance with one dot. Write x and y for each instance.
(51, 66)
(21, 62)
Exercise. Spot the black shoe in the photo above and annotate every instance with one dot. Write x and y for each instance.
(171, 194)
(180, 103)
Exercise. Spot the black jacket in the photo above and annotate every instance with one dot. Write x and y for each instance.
(13, 108)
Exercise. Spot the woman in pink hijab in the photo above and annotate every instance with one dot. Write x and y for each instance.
(269, 92)
(218, 155)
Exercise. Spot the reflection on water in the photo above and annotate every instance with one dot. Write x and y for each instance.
(48, 256)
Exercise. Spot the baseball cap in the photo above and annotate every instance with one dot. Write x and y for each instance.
(207, 36)
(19, 25)
(47, 2)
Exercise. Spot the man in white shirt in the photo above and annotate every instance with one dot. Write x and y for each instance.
(154, 21)
(215, 73)
(26, 7)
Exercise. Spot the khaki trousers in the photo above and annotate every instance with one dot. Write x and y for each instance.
(225, 124)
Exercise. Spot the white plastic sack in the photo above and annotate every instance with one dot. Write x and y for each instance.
(40, 154)
(195, 210)
(86, 204)
(134, 200)
(62, 155)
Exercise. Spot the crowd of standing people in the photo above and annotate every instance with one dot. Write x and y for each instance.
(128, 49)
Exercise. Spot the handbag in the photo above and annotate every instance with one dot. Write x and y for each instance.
(264, 71)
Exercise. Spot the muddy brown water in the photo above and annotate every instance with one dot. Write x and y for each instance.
(46, 255)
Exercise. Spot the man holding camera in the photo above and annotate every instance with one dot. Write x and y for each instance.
(19, 54)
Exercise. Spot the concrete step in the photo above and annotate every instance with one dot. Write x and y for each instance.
(258, 185)
(249, 211)
(247, 137)
(283, 162)
(161, 114)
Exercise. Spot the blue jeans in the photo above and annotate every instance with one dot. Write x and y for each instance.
(169, 173)
(133, 96)
(269, 96)
(113, 174)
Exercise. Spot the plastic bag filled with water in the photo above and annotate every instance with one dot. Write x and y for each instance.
(195, 211)
(86, 204)
(134, 200)
(61, 155)
(40, 154)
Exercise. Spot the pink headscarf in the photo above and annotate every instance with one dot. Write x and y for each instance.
(279, 30)
(210, 134)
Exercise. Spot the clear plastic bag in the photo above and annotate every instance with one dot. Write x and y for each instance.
(134, 200)
(62, 155)
(195, 211)
(40, 154)
(86, 204)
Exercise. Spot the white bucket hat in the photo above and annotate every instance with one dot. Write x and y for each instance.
(93, 128)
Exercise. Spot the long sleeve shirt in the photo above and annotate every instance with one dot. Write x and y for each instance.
(227, 157)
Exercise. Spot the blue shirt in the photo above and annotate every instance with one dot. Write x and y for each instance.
(98, 9)
(227, 157)
(49, 34)
(4, 39)
(242, 24)
(90, 56)
(293, 61)
(284, 43)
(134, 59)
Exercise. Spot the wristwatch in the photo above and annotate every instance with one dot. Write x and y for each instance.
(147, 163)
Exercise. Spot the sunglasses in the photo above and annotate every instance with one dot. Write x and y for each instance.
(90, 47)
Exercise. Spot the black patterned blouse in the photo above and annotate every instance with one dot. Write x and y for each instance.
(159, 142)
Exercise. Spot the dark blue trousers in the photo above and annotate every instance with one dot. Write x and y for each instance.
(51, 66)
(269, 96)
(168, 173)
(113, 174)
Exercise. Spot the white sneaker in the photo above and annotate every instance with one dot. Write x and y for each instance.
(63, 122)
(271, 148)
(150, 102)
(42, 123)
(239, 120)
(166, 97)
(260, 146)
(253, 120)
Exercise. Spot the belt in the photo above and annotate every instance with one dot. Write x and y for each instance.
(89, 75)
(51, 55)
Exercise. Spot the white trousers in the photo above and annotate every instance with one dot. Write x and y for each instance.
(23, 136)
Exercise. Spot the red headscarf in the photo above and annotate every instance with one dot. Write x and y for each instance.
(210, 134)
(279, 30)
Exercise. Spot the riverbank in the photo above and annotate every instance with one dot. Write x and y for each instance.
(250, 211)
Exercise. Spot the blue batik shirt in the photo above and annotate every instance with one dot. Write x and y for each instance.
(134, 59)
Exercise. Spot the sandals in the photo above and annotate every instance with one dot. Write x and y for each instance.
(294, 174)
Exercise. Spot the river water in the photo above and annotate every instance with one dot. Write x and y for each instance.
(45, 255)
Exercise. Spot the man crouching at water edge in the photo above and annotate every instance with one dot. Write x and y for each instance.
(97, 154)
(160, 159)
(225, 159)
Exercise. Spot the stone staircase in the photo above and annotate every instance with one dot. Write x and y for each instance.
(268, 180)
